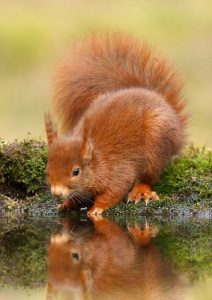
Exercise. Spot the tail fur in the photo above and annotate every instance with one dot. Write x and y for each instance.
(106, 63)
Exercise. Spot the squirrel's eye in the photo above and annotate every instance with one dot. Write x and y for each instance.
(75, 256)
(75, 172)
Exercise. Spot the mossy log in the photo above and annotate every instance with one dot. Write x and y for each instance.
(187, 182)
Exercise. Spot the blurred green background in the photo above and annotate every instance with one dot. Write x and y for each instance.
(35, 34)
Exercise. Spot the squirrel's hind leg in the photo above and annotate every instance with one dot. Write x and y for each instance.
(142, 191)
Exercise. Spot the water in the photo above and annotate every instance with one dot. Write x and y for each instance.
(72, 257)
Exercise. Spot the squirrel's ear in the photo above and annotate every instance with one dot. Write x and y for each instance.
(87, 149)
(50, 132)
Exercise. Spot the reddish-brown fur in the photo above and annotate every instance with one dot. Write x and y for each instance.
(120, 110)
(111, 264)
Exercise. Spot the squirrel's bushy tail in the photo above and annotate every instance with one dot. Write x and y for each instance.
(106, 63)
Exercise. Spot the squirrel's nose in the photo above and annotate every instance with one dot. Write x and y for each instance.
(59, 190)
(56, 192)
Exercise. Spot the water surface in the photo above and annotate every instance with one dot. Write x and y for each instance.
(72, 257)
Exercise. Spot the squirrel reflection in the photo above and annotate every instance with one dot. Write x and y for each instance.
(107, 262)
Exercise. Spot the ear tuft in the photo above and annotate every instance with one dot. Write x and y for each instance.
(50, 132)
(87, 149)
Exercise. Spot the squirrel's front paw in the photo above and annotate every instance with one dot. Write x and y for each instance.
(67, 204)
(142, 191)
(95, 211)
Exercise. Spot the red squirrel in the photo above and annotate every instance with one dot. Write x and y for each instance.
(120, 113)
(109, 262)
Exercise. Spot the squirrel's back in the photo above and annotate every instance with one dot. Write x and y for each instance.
(106, 63)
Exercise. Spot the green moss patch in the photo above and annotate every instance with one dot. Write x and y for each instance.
(186, 185)
(189, 176)
(22, 167)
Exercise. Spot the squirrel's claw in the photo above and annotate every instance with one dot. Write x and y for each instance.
(95, 211)
(150, 196)
(142, 191)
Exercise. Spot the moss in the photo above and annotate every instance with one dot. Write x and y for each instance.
(185, 186)
(22, 166)
(189, 176)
